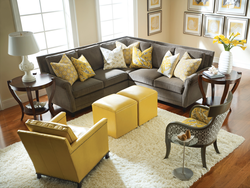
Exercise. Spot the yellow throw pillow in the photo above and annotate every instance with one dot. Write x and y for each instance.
(186, 67)
(51, 128)
(83, 68)
(168, 64)
(142, 59)
(113, 59)
(65, 69)
(127, 51)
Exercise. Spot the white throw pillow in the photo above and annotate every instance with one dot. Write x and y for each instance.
(168, 64)
(113, 59)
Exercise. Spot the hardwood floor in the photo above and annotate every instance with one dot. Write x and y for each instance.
(233, 171)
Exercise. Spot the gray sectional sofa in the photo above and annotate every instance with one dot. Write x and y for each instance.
(83, 94)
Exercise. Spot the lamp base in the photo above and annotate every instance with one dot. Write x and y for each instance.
(28, 77)
(27, 66)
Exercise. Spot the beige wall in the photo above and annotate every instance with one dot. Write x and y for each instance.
(172, 32)
(241, 58)
(143, 22)
(8, 64)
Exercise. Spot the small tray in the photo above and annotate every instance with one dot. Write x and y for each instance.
(37, 105)
(188, 140)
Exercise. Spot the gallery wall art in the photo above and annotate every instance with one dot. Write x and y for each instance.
(154, 22)
(201, 5)
(192, 23)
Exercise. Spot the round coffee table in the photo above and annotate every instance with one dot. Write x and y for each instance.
(42, 81)
(232, 78)
(183, 173)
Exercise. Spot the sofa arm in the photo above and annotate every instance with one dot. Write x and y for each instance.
(99, 131)
(192, 91)
(60, 118)
(63, 83)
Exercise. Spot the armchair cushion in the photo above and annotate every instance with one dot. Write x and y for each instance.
(51, 128)
(201, 114)
(194, 122)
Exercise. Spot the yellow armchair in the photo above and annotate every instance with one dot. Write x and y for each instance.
(53, 154)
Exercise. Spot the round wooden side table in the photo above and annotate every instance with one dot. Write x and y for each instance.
(42, 81)
(232, 78)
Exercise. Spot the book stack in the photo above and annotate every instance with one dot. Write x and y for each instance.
(210, 75)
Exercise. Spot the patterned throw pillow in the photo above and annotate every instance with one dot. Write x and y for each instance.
(127, 51)
(186, 67)
(142, 59)
(194, 122)
(83, 68)
(65, 69)
(113, 59)
(168, 64)
(51, 128)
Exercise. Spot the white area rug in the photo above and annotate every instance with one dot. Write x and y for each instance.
(136, 159)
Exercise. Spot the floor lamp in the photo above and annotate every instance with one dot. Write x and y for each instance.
(23, 43)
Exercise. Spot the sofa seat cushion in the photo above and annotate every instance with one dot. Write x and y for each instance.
(171, 84)
(111, 76)
(88, 86)
(146, 76)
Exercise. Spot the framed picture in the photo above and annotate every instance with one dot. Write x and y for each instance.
(212, 25)
(154, 4)
(235, 7)
(234, 25)
(154, 22)
(201, 5)
(192, 23)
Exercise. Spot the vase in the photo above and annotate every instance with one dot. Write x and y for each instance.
(225, 62)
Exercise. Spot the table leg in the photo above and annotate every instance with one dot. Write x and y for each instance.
(225, 92)
(37, 95)
(212, 93)
(183, 158)
(52, 111)
(204, 99)
(16, 98)
(31, 101)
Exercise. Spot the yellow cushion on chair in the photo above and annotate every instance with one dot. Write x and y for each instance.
(57, 129)
(194, 122)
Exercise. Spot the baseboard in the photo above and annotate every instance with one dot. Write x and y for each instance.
(235, 63)
(23, 97)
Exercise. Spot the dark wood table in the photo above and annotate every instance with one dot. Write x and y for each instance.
(42, 81)
(232, 78)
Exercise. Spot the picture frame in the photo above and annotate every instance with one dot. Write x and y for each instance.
(154, 22)
(192, 23)
(238, 7)
(154, 4)
(234, 25)
(212, 25)
(201, 5)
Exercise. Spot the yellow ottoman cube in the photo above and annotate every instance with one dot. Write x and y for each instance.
(147, 101)
(120, 111)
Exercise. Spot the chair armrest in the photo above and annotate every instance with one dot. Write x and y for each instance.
(98, 130)
(60, 118)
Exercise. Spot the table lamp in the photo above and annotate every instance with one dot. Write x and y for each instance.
(23, 43)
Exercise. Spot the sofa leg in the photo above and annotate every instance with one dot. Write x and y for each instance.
(38, 176)
(168, 148)
(216, 147)
(203, 156)
(79, 185)
(72, 114)
(107, 155)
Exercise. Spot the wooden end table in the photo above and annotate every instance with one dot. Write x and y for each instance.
(42, 81)
(232, 78)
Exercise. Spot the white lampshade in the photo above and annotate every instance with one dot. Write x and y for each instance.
(22, 43)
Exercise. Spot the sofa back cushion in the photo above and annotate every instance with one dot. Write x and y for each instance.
(57, 57)
(110, 45)
(93, 55)
(194, 54)
(51, 128)
(159, 52)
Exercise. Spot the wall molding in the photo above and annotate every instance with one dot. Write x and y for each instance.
(23, 97)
